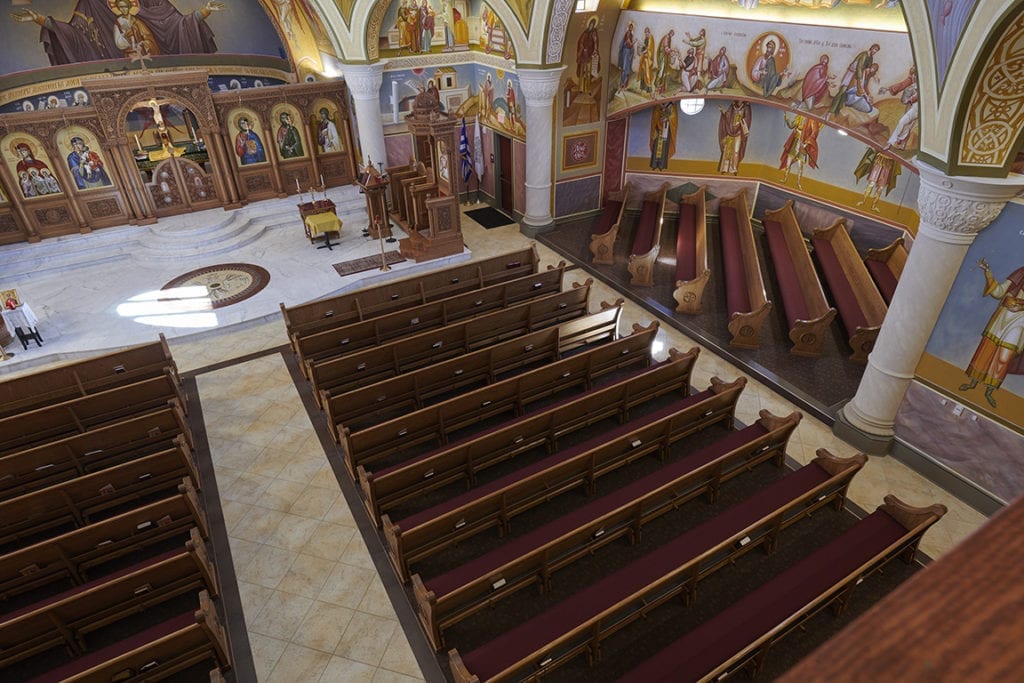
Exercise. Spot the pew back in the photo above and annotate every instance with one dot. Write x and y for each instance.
(746, 300)
(647, 243)
(692, 271)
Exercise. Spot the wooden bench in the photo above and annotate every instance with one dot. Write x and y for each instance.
(741, 635)
(157, 653)
(431, 346)
(73, 456)
(397, 295)
(579, 623)
(747, 305)
(85, 377)
(67, 618)
(861, 307)
(803, 300)
(74, 554)
(431, 531)
(692, 271)
(405, 481)
(886, 266)
(647, 243)
(395, 397)
(602, 238)
(76, 416)
(85, 499)
(512, 396)
(384, 328)
(534, 557)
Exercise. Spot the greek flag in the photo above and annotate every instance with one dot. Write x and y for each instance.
(464, 156)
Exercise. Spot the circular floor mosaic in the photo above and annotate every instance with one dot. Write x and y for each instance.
(227, 283)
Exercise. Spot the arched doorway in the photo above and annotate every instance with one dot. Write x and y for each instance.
(171, 156)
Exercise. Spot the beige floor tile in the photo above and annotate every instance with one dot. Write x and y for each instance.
(366, 638)
(306, 576)
(323, 626)
(386, 676)
(292, 532)
(356, 554)
(265, 653)
(376, 600)
(329, 541)
(343, 670)
(270, 463)
(257, 524)
(242, 552)
(234, 511)
(253, 598)
(346, 585)
(281, 615)
(340, 514)
(268, 567)
(281, 494)
(399, 656)
(325, 478)
(298, 663)
(248, 487)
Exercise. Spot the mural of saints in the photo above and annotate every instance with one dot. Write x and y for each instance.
(733, 131)
(86, 166)
(289, 141)
(882, 172)
(96, 31)
(1002, 341)
(327, 132)
(34, 175)
(801, 148)
(664, 122)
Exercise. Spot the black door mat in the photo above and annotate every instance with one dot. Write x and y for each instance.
(489, 217)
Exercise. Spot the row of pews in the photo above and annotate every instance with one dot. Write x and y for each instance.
(499, 469)
(861, 288)
(105, 573)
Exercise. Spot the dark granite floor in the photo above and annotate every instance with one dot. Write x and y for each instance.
(818, 385)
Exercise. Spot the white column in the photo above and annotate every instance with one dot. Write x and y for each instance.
(363, 82)
(953, 210)
(539, 87)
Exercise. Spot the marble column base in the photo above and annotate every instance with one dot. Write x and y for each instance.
(872, 444)
(531, 230)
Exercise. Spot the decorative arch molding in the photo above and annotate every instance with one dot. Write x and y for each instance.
(561, 12)
(990, 113)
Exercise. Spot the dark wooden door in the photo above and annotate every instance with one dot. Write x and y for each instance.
(506, 198)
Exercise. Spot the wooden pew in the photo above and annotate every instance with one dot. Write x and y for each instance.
(647, 243)
(397, 295)
(81, 501)
(85, 377)
(534, 557)
(579, 623)
(431, 346)
(731, 640)
(461, 461)
(74, 554)
(803, 300)
(73, 456)
(886, 267)
(395, 397)
(431, 315)
(602, 239)
(512, 396)
(351, 338)
(67, 618)
(156, 653)
(861, 307)
(692, 271)
(747, 305)
(79, 415)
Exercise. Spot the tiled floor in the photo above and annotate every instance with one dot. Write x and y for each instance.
(313, 602)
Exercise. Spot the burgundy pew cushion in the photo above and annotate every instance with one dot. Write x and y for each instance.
(686, 243)
(608, 217)
(883, 277)
(500, 653)
(842, 291)
(785, 274)
(485, 564)
(511, 478)
(644, 239)
(736, 297)
(724, 635)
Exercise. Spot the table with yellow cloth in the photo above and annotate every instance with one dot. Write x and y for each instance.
(323, 224)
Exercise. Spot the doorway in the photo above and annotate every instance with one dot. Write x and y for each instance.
(505, 182)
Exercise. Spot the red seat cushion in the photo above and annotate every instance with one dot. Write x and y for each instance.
(736, 295)
(686, 243)
(883, 277)
(644, 239)
(842, 291)
(792, 296)
(608, 217)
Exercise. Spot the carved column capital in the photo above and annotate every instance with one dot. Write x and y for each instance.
(364, 80)
(539, 86)
(955, 209)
